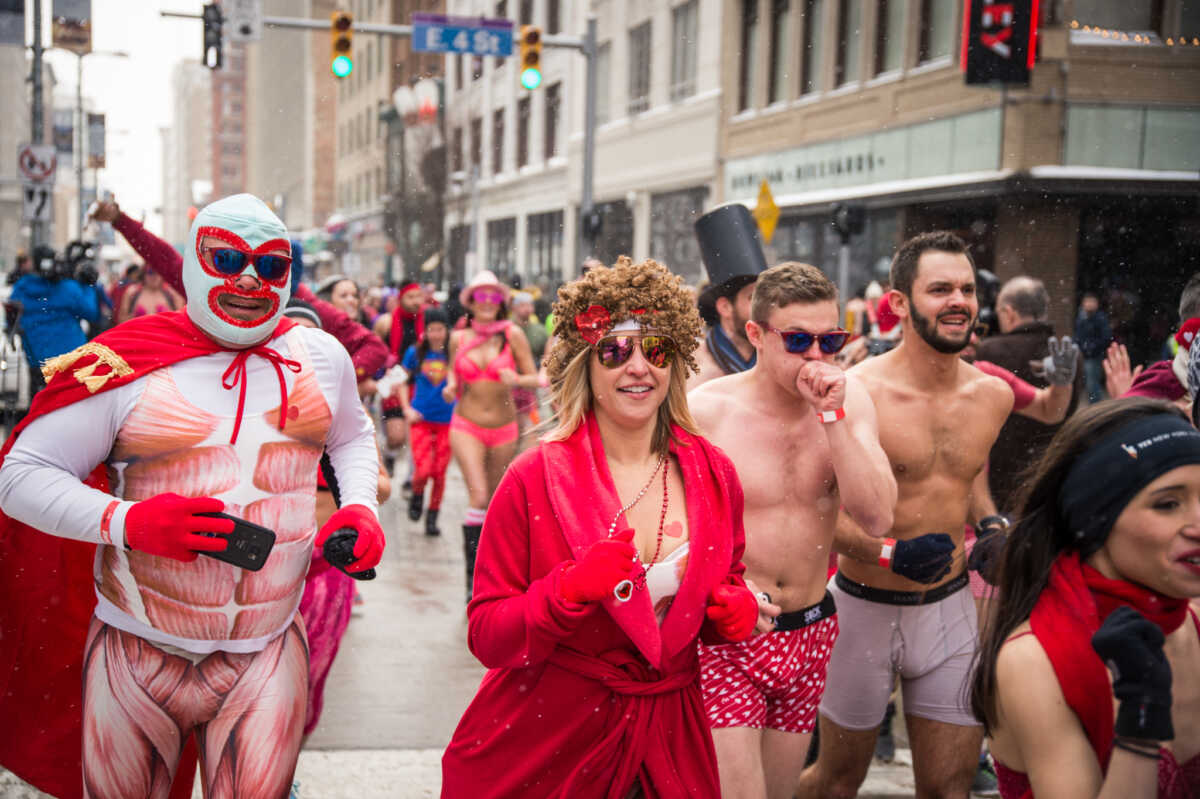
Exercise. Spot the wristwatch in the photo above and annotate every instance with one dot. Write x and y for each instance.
(991, 524)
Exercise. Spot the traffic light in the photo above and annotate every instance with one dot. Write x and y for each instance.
(212, 35)
(341, 31)
(531, 56)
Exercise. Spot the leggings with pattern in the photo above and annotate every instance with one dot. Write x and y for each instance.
(431, 451)
(141, 703)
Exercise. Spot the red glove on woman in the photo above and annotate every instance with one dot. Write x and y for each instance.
(605, 564)
(734, 610)
(368, 549)
(167, 525)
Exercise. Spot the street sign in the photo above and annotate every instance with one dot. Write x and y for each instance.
(37, 163)
(72, 28)
(438, 33)
(243, 20)
(37, 201)
(95, 134)
(766, 212)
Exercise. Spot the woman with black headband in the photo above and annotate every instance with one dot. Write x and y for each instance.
(1097, 573)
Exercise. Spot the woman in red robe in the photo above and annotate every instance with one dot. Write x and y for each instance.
(608, 550)
(1089, 670)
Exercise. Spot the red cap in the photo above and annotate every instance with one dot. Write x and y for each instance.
(886, 316)
(1187, 333)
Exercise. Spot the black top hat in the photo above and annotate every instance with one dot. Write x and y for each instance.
(732, 253)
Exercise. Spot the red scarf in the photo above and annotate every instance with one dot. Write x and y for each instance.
(1072, 606)
(396, 334)
(46, 588)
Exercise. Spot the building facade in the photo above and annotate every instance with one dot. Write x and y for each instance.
(229, 123)
(1087, 178)
(370, 155)
(187, 148)
(515, 157)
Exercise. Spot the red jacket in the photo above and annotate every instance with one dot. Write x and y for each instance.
(582, 699)
(366, 349)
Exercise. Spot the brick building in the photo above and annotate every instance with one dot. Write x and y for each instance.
(1087, 178)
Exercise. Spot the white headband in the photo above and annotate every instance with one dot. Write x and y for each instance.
(628, 326)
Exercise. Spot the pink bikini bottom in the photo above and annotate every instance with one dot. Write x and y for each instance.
(490, 436)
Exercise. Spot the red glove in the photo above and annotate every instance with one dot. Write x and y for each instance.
(734, 610)
(368, 549)
(167, 525)
(605, 564)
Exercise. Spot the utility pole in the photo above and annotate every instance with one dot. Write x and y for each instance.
(79, 137)
(585, 237)
(37, 230)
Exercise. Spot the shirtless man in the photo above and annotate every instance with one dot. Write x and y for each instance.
(938, 417)
(804, 440)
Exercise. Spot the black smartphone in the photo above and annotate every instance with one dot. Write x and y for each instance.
(249, 543)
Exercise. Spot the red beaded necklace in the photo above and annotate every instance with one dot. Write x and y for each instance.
(624, 589)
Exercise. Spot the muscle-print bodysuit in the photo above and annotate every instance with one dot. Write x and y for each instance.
(268, 477)
(170, 431)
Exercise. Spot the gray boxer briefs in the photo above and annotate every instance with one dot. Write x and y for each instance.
(931, 645)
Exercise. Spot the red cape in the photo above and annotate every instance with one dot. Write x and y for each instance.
(46, 589)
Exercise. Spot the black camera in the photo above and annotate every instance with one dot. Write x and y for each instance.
(78, 262)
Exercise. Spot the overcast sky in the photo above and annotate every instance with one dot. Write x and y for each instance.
(133, 92)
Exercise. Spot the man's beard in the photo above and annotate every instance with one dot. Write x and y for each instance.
(739, 326)
(927, 329)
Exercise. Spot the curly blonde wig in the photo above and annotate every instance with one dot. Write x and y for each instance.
(667, 307)
(625, 287)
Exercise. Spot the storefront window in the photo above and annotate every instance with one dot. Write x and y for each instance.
(1127, 15)
(543, 248)
(1133, 137)
(812, 240)
(616, 231)
(672, 237)
(502, 247)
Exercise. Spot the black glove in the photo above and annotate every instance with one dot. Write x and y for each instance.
(925, 558)
(1132, 648)
(990, 538)
(339, 551)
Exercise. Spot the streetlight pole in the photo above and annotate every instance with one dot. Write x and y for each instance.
(79, 137)
(37, 230)
(80, 132)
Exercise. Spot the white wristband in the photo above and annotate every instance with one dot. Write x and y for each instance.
(828, 417)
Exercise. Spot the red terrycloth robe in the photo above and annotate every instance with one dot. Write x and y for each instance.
(583, 699)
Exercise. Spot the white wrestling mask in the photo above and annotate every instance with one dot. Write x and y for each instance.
(234, 237)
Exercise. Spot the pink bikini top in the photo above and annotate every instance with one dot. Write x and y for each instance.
(1175, 780)
(469, 372)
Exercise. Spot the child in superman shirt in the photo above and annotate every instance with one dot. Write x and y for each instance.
(428, 415)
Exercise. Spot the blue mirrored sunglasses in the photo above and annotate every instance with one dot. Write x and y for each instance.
(799, 341)
(229, 261)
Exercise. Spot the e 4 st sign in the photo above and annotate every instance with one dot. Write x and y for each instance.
(438, 33)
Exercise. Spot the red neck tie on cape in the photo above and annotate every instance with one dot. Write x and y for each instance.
(235, 375)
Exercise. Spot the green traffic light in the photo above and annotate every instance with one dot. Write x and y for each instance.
(341, 66)
(531, 78)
